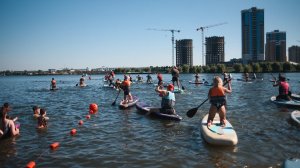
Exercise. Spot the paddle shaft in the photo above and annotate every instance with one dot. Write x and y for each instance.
(116, 98)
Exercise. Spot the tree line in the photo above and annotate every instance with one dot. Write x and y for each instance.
(261, 67)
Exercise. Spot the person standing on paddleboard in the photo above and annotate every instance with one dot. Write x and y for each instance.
(175, 76)
(284, 88)
(217, 98)
(125, 86)
(225, 77)
(197, 76)
(149, 78)
(160, 79)
(53, 83)
(81, 81)
(168, 99)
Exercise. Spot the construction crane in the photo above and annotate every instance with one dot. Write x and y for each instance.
(172, 31)
(202, 32)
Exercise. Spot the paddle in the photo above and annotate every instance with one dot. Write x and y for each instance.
(114, 103)
(193, 111)
(182, 87)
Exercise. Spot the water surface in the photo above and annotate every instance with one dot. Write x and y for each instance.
(126, 138)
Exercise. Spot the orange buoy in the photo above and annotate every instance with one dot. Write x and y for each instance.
(94, 107)
(92, 112)
(80, 122)
(88, 117)
(73, 132)
(31, 164)
(54, 145)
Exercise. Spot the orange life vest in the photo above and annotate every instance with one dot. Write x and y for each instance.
(216, 91)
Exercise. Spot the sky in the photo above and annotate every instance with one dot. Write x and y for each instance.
(57, 34)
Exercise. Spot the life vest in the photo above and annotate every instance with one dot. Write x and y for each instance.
(217, 96)
(168, 101)
(283, 88)
(159, 77)
(126, 83)
(53, 82)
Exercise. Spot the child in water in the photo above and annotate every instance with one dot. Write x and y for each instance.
(42, 121)
(36, 111)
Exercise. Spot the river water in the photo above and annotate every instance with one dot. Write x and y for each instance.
(126, 138)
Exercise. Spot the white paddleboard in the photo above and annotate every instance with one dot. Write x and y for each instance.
(217, 135)
(295, 115)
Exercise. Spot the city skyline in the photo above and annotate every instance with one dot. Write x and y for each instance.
(78, 34)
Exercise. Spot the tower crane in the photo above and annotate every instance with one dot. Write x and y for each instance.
(172, 31)
(202, 32)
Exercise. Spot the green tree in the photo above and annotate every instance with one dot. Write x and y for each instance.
(297, 67)
(192, 69)
(247, 68)
(213, 68)
(221, 68)
(238, 68)
(206, 69)
(287, 67)
(256, 67)
(185, 68)
(276, 67)
(266, 67)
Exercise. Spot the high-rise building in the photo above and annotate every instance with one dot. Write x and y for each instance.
(214, 50)
(252, 35)
(294, 54)
(276, 46)
(184, 52)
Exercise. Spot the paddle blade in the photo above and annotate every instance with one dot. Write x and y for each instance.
(182, 87)
(192, 112)
(114, 103)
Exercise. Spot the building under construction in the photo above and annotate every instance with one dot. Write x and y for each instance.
(214, 50)
(184, 52)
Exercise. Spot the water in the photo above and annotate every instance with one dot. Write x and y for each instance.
(125, 138)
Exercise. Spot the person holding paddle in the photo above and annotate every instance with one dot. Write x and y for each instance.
(125, 87)
(217, 98)
(197, 76)
(168, 99)
(160, 79)
(175, 76)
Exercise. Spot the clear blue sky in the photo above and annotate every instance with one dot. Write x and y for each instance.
(43, 34)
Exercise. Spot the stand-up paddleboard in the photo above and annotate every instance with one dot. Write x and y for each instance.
(295, 96)
(291, 103)
(107, 86)
(291, 163)
(295, 116)
(207, 84)
(178, 90)
(53, 89)
(156, 112)
(217, 135)
(84, 85)
(243, 80)
(193, 82)
(129, 104)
